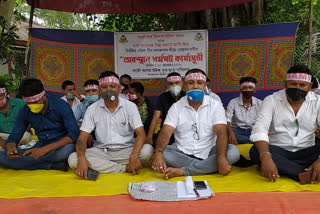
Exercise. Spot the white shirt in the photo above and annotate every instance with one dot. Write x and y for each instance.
(112, 130)
(187, 121)
(215, 96)
(276, 122)
(124, 96)
(240, 116)
(75, 103)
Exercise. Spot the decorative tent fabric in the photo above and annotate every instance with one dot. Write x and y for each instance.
(264, 52)
(132, 6)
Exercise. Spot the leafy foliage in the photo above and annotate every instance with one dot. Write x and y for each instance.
(279, 11)
(11, 83)
(136, 22)
(57, 19)
(7, 39)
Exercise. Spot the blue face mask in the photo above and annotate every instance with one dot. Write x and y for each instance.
(70, 96)
(195, 95)
(92, 98)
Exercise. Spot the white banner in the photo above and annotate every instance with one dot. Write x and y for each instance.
(145, 55)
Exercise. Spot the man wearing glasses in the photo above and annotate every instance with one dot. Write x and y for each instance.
(200, 133)
(284, 133)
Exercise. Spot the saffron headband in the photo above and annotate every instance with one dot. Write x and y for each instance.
(88, 87)
(174, 78)
(247, 84)
(196, 76)
(3, 90)
(34, 98)
(108, 79)
(299, 76)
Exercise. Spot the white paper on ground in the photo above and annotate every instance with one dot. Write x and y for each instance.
(185, 190)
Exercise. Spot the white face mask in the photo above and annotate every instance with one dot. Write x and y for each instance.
(207, 91)
(175, 90)
(3, 102)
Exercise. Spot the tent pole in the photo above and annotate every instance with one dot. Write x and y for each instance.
(29, 37)
(310, 34)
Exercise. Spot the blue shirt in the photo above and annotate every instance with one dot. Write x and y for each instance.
(57, 123)
(81, 110)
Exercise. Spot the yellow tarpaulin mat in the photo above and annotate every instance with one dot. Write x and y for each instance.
(52, 183)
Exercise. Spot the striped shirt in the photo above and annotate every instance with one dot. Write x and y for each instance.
(241, 117)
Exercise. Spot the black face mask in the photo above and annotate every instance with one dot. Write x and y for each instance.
(247, 94)
(126, 86)
(296, 94)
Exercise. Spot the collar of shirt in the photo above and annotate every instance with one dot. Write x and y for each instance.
(103, 105)
(253, 101)
(283, 97)
(171, 98)
(76, 101)
(205, 102)
(11, 106)
(51, 104)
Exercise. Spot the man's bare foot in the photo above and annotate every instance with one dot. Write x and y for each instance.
(173, 172)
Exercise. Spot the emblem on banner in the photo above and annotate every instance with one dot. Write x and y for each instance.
(123, 39)
(198, 37)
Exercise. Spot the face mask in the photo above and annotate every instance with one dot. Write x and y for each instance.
(109, 95)
(125, 86)
(70, 96)
(195, 95)
(247, 94)
(175, 90)
(3, 102)
(296, 94)
(207, 91)
(132, 97)
(92, 98)
(35, 108)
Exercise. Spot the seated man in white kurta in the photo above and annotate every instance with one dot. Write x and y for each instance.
(200, 132)
(114, 120)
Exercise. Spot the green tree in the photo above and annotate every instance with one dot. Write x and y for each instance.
(280, 11)
(57, 19)
(136, 22)
(7, 40)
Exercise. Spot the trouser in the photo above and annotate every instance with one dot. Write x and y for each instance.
(25, 139)
(111, 160)
(43, 162)
(289, 163)
(194, 166)
(242, 135)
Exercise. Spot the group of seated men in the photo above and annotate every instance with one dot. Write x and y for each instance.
(197, 135)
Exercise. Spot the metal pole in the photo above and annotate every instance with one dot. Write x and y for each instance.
(29, 36)
(310, 35)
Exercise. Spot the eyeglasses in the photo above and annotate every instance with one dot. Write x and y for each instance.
(195, 129)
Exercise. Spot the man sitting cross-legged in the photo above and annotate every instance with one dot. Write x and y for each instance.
(54, 124)
(114, 120)
(284, 133)
(200, 133)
